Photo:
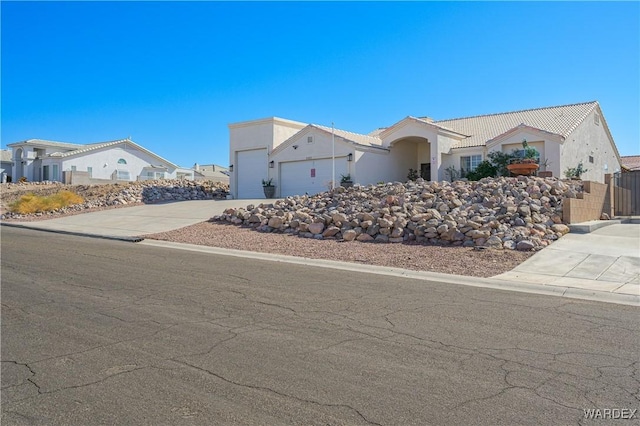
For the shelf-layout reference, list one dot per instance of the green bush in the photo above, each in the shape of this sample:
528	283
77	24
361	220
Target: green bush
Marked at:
484	169
413	174
575	172
500	160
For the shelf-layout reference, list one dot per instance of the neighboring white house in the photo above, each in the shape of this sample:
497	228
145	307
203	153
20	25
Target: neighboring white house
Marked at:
119	160
304	158
6	163
212	172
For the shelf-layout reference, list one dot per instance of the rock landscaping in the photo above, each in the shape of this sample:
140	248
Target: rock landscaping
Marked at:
114	195
521	213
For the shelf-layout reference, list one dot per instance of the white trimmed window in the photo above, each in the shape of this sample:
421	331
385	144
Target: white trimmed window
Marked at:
469	163
309	139
123	174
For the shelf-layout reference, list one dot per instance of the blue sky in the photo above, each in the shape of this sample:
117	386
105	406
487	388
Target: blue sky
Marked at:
173	75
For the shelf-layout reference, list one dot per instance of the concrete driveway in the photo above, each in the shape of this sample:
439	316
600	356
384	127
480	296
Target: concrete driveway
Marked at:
605	260
131	222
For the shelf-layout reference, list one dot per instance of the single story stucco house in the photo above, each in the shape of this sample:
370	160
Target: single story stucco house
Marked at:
118	160
6	163
304	158
211	172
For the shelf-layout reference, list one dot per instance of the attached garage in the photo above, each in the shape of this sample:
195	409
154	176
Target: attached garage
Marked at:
251	168
309	176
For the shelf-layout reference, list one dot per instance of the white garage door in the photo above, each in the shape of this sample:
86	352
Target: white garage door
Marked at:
251	169
310	176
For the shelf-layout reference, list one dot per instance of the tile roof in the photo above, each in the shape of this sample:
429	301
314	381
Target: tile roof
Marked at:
45	142
7	156
631	162
358	138
560	120
89	147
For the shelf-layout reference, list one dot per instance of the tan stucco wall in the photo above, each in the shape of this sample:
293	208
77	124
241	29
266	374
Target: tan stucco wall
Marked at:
440	156
409	130
266	133
373	167
402	157
321	147
589	139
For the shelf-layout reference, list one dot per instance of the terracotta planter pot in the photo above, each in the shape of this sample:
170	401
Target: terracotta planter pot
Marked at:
524	169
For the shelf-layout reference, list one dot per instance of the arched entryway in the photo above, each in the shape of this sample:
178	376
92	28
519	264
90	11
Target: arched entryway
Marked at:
412	152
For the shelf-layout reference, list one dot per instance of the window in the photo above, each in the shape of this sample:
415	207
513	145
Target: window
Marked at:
73	168
470	163
54	172
154	175
309	139
122	161
123	174
591	159
596	119
90	171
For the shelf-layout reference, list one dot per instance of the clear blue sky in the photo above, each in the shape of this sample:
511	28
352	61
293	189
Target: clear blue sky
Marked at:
173	75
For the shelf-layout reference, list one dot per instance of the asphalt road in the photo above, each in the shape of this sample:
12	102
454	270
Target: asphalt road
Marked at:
106	332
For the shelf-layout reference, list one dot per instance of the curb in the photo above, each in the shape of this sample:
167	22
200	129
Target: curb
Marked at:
77	234
588	227
568	292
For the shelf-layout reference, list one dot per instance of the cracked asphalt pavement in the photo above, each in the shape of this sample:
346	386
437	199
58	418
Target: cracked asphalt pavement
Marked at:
108	332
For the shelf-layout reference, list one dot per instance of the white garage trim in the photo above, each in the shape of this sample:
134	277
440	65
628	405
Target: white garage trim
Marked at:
251	168
309	176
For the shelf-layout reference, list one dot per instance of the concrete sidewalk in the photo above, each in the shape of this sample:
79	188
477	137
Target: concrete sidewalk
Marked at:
605	260
601	265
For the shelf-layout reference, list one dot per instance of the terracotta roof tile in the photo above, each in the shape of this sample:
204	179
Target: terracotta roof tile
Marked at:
560	120
631	162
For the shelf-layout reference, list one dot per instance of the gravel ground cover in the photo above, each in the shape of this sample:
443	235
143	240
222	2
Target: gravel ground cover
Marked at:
418	257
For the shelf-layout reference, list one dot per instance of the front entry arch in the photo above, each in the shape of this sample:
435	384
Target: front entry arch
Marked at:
413	152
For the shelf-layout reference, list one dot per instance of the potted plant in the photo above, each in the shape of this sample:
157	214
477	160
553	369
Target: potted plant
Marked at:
526	164
345	181
269	188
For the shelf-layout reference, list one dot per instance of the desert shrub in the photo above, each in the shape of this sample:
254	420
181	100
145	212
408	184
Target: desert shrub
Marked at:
453	173
501	160
484	169
31	203
413	174
575	172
